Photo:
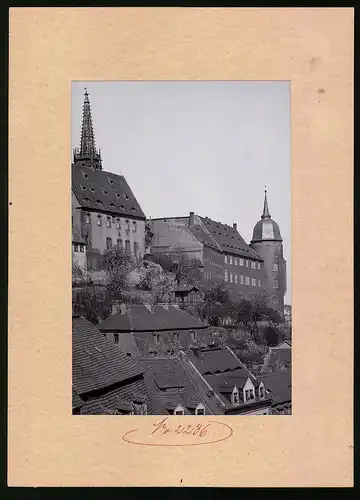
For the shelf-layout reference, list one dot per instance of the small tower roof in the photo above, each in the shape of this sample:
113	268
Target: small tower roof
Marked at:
266	229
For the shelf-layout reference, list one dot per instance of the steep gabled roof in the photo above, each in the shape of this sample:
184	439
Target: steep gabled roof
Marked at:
229	239
97	362
279	386
140	318
278	358
216	360
104	192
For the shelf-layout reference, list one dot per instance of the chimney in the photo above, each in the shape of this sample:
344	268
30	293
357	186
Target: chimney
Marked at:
191	219
235	226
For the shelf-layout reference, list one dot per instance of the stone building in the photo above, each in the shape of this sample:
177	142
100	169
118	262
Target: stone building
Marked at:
105	211
79	255
267	243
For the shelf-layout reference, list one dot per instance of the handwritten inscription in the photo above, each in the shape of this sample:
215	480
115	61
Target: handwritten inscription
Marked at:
164	433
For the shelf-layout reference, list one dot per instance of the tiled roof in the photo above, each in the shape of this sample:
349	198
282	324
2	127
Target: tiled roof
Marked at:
77	402
203	237
216	360
97	362
185	288
229	239
120	399
170	385
279	386
277	359
76	238
104	191
140	318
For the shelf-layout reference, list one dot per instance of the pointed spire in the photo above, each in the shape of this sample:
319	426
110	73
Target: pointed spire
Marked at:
87	154
266	213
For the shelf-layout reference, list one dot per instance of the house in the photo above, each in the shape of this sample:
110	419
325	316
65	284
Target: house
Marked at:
105	381
154	330
278	359
105	211
279	386
186	294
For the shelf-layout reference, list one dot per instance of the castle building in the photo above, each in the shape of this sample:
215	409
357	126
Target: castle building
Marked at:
105	211
247	270
267	243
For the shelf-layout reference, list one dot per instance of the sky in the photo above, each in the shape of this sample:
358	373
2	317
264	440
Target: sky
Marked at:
206	147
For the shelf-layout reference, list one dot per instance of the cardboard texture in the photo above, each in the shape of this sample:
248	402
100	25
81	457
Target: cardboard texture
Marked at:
50	47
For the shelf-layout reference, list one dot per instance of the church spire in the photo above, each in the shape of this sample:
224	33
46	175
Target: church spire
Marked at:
266	213
87	154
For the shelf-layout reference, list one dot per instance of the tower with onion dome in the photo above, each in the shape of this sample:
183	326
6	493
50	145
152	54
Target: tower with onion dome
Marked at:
268	244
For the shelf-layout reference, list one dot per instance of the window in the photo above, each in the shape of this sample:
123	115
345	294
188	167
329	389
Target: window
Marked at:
235	262
127	225
177	337
236	279
230	260
134	228
241	279
261	392
87	218
193	336
253	265
226	276
231	277
116	338
117	224
259	282
241	262
128	354
127	246
136	249
156	337
108	243
248	395
275	299
247	263
275	267
111	181
253	282
225	259
259	265
76	248
276	284
247	281
104	192
108	222
99	220
85	175
81	248
200	409
119	242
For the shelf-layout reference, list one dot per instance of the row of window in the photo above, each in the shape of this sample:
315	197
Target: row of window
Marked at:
249	395
199	410
241	280
79	248
234	261
119	242
113	220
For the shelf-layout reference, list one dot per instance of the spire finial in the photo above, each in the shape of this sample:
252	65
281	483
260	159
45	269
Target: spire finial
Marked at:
88	154
266	213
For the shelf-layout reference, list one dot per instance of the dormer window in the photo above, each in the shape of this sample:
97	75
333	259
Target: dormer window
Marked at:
179	410
235	397
249	394
85	175
117	195
104	191
200	409
83	187
261	391
111	181
126	196
99	202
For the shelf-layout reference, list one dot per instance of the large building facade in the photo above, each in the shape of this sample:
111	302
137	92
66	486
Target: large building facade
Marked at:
247	270
105	211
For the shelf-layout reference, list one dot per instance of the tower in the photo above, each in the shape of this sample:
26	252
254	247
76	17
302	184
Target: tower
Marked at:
267	243
87	155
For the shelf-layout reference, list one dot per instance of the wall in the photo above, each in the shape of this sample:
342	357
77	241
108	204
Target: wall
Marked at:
175	238
272	253
245	270
80	257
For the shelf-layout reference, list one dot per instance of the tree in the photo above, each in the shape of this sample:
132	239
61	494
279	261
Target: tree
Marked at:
77	272
117	264
91	305
273	336
149	235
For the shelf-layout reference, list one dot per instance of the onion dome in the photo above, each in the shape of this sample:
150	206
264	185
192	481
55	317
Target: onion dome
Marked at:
266	229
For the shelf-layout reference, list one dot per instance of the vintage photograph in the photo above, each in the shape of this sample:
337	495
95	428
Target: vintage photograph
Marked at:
181	247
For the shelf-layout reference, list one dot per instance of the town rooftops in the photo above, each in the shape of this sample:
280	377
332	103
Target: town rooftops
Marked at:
97	362
279	386
103	191
278	358
146	318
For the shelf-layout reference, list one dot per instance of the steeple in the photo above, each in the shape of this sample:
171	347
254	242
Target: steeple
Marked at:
87	155
266	213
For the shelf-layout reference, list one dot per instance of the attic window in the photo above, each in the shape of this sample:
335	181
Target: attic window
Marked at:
87	200
200	409
111	181
92	190
83	187
112	204
85	175
133	209
117	195
128	354
104	191
126	196
122	206
99	202
179	410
